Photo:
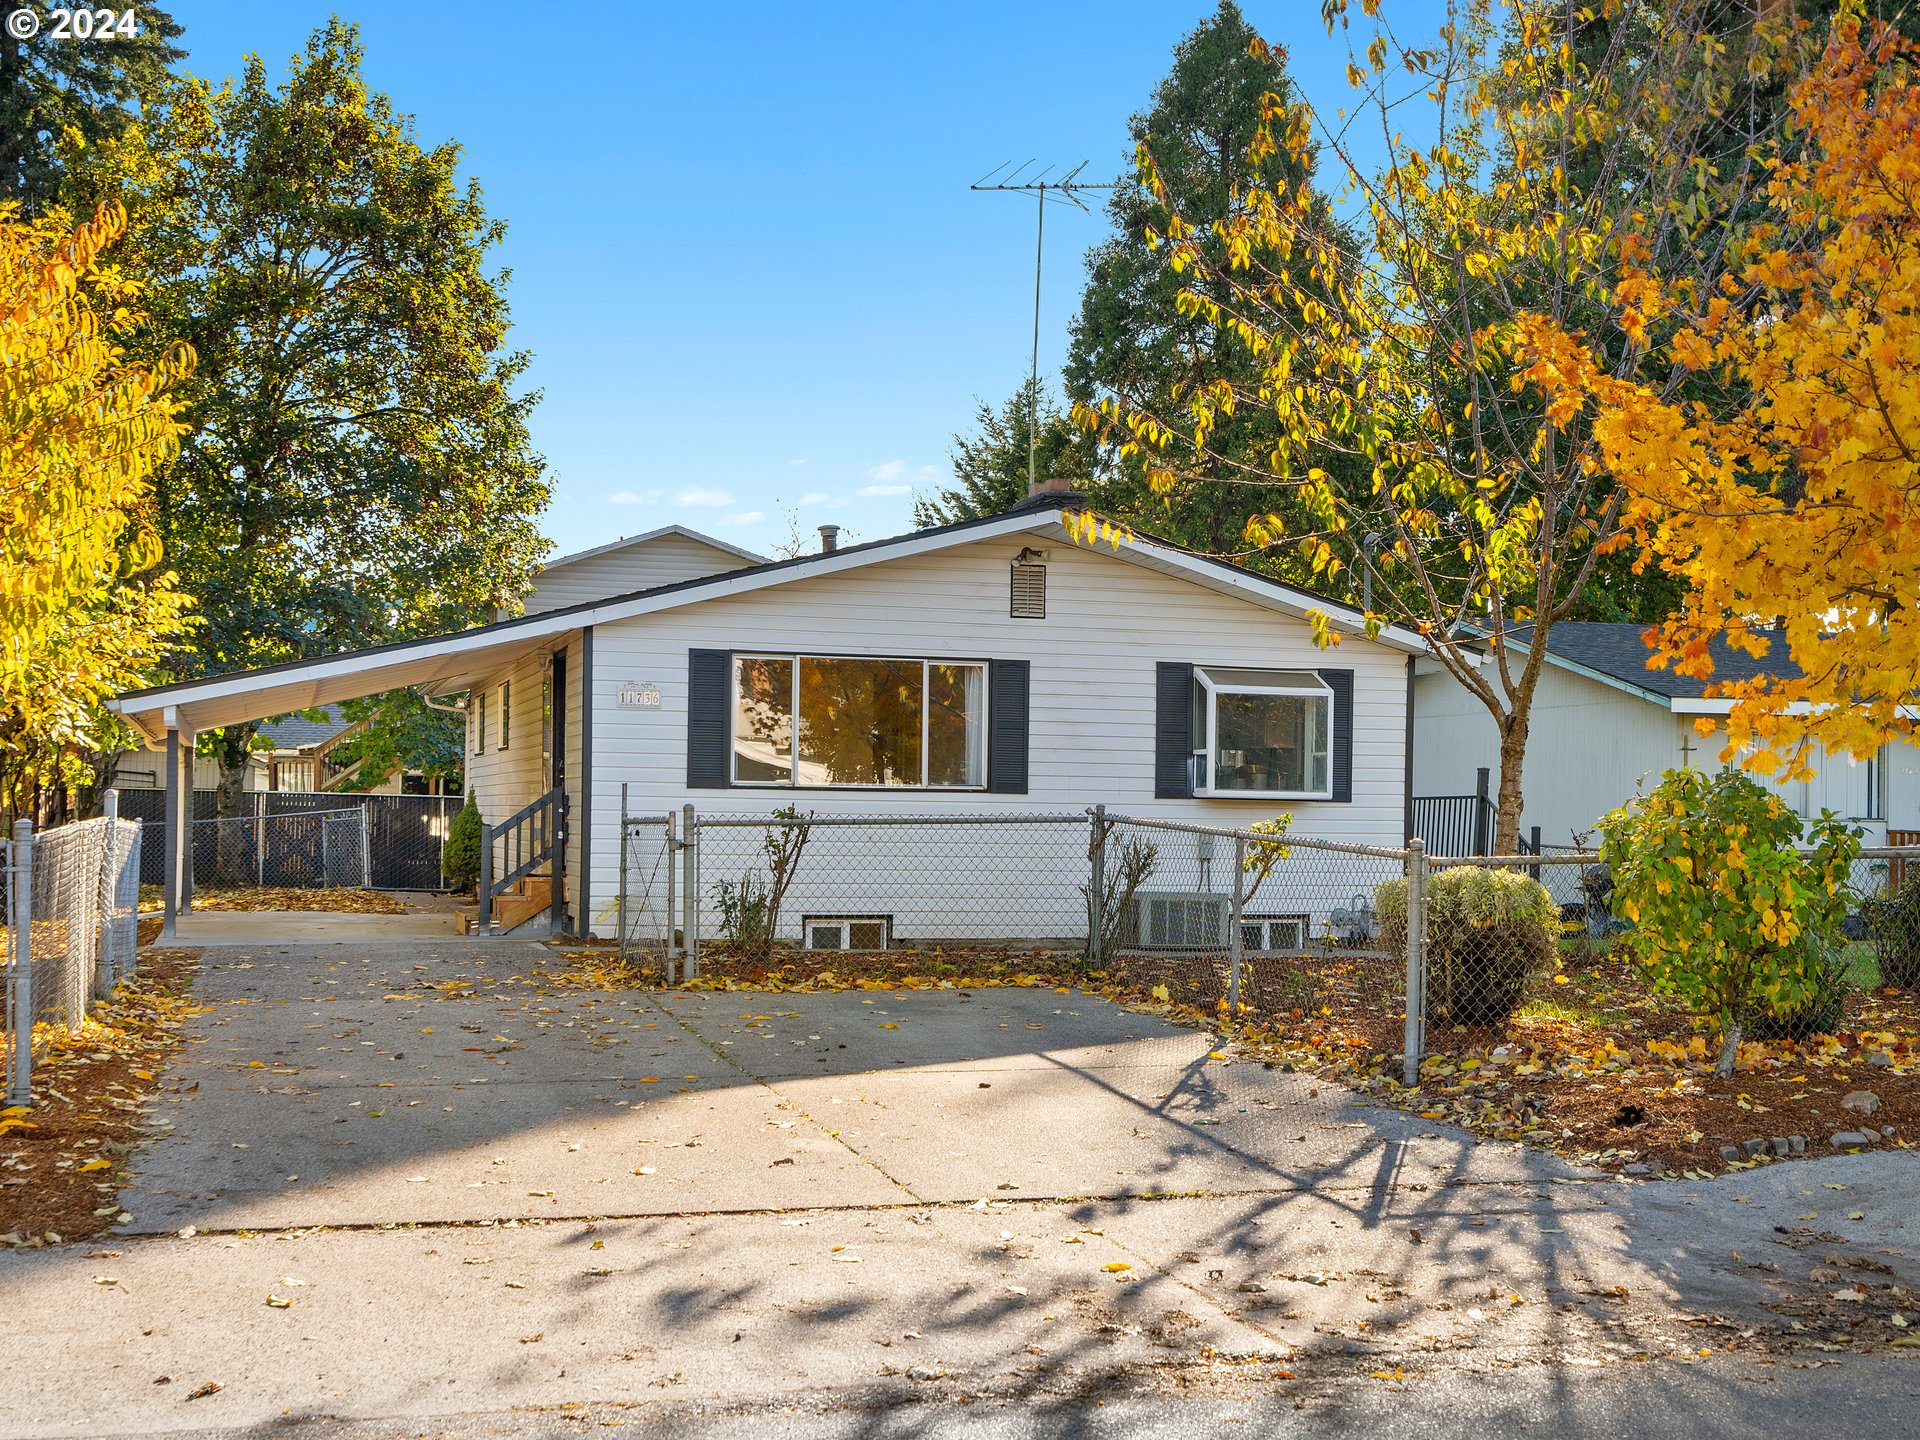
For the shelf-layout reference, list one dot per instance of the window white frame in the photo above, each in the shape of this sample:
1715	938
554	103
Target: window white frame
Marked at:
843	925
506	714
1268	924
1304	684
795	659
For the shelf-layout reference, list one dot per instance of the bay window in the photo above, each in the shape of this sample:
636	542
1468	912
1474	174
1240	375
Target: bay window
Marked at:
815	720
1264	732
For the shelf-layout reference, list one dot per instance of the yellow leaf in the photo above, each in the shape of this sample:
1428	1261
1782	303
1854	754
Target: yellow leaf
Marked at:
1114	1267
96	1165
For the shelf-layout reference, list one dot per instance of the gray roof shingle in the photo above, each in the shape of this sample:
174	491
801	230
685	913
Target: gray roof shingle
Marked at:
290	732
1616	650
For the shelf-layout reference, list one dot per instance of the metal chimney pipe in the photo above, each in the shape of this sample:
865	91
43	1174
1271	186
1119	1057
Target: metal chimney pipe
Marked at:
829	539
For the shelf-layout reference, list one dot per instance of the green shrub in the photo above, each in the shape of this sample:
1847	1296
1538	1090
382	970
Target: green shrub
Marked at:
460	857
1825	964
1487	932
1893	924
1727	913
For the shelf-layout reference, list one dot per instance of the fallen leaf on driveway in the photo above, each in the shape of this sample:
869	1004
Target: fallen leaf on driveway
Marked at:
210	1388
275	1302
1114	1267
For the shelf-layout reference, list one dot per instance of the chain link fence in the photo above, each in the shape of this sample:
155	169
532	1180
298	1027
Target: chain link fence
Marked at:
1398	952
71	916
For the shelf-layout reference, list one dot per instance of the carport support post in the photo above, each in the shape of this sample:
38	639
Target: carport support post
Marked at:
1416	960
690	898
1237	939
178	829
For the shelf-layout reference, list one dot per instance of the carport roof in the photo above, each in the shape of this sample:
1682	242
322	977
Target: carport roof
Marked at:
441	664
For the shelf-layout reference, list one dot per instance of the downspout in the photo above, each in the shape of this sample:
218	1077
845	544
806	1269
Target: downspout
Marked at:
460	708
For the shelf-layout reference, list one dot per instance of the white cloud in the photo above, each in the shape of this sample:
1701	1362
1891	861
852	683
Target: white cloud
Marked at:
635	497
872	490
796	462
747	517
890	470
815	497
700	496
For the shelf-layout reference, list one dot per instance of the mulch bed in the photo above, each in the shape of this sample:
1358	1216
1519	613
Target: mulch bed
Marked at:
59	1157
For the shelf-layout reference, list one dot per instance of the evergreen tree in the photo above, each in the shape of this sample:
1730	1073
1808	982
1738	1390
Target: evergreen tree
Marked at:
1131	342
93	87
991	464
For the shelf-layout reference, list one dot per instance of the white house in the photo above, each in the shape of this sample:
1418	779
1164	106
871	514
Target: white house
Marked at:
996	666
1604	726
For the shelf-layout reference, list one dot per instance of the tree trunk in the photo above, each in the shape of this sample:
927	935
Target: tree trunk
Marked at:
1513	754
1729	1049
233	862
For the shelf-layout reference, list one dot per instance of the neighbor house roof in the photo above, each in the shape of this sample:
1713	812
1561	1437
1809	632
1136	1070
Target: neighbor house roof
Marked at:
291	732
682	531
1615	653
442	664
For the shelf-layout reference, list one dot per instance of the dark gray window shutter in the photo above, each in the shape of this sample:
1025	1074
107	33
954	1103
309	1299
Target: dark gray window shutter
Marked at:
1341	760
1007	690
1172	730
709	691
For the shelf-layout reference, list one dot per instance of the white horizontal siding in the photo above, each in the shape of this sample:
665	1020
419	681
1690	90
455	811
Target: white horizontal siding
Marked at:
1589	747
663	560
503	780
1091	720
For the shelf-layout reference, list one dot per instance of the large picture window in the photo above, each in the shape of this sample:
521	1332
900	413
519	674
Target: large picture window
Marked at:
1264	732
822	721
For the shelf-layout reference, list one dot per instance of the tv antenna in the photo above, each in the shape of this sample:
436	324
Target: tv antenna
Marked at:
1066	190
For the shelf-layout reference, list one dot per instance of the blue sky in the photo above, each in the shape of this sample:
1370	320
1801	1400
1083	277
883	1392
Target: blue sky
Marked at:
744	253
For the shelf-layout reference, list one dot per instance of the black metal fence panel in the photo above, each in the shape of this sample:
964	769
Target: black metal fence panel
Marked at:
304	840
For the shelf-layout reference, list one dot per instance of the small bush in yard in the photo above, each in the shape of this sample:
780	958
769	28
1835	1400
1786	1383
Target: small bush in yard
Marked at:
1893	924
1487	932
1727	913
460	856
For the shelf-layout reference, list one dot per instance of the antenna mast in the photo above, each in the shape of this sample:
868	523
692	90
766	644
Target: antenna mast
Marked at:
1064	191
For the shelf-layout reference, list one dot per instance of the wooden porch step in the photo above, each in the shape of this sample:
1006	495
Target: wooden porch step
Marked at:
531	897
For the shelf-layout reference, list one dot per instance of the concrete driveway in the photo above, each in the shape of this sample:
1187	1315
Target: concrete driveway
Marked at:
400	1183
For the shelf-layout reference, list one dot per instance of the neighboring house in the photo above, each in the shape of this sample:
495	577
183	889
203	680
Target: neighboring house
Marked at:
290	753
989	667
1605	726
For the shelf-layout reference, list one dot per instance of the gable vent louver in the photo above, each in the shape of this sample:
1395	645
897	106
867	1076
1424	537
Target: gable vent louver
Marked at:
1029	594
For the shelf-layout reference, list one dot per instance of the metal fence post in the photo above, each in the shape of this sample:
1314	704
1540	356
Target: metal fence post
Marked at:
1415	1038
108	895
670	950
366	846
690	882
20	973
1237	937
1482	840
1097	890
621	912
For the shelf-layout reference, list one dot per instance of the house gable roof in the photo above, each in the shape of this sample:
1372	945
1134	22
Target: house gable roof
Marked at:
444	663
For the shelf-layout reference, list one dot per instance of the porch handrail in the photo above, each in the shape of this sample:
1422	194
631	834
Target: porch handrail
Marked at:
530	837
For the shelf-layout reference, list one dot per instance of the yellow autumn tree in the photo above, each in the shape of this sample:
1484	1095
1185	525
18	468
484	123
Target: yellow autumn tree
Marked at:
1794	514
85	610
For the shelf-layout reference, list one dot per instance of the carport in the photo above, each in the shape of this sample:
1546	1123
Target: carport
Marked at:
169	718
